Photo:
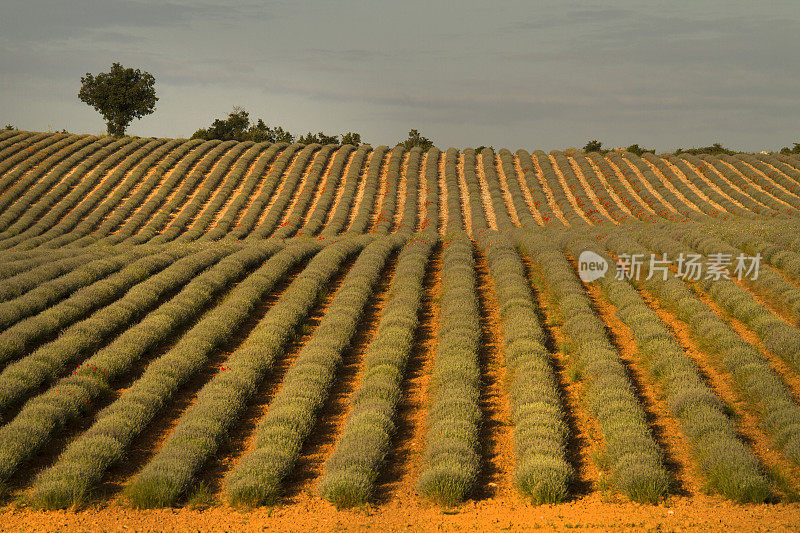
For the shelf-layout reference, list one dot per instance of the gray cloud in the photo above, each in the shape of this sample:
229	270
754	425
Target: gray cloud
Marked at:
542	74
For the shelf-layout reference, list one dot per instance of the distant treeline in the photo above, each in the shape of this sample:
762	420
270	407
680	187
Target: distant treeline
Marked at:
237	127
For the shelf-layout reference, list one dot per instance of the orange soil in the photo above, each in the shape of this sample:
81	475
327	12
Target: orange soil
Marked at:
443	195
340	181
245	176
377	213
589	191
314	514
624	181
289	215
523	184
187	201
276	192
567	191
608	188
463	193
486	197
355	205
507	199
666	429
497	440
722	383
402	185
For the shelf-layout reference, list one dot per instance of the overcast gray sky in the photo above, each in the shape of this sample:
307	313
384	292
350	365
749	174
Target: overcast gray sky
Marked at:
516	74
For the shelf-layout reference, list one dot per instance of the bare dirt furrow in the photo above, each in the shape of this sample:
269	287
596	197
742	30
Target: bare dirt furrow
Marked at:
318	447
145	446
486	198
526	191
423	187
463	194
590	193
631	190
687	478
585	440
554	207
496	433
404	462
568	192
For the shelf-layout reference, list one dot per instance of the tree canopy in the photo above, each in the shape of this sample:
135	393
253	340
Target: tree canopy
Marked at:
119	96
416	139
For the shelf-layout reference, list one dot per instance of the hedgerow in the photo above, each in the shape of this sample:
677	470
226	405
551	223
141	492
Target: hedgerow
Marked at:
361	218
200	193
303	196
28	190
540	431
82	464
290	183
197	224
629	448
756	380
352	469
338	218
292	414
172	203
731	468
72	395
452	450
90	210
